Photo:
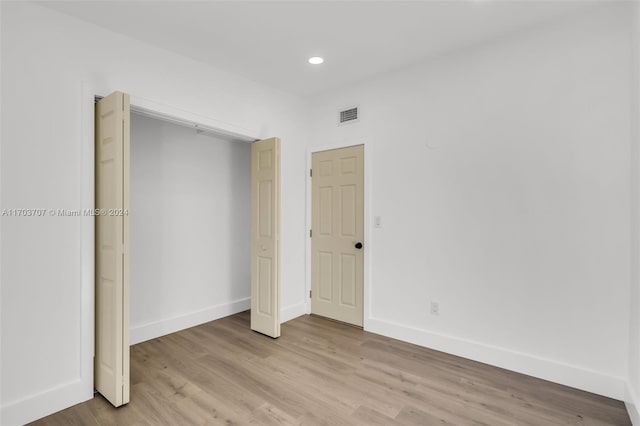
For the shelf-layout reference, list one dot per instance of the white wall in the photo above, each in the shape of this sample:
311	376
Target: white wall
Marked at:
190	227
633	389
47	298
516	219
501	174
1	233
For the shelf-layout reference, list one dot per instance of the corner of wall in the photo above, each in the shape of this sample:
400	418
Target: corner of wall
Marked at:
632	404
1	401
631	398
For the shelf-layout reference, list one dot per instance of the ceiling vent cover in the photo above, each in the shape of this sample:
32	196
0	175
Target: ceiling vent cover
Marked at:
349	115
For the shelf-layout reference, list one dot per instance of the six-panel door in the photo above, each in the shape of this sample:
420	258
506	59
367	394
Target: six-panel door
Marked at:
337	264
265	237
111	363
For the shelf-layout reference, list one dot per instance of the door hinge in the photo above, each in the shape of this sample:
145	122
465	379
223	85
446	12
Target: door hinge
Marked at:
310	172
310	233
309	294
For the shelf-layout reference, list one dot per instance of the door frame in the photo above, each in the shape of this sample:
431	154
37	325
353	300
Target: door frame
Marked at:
88	91
368	242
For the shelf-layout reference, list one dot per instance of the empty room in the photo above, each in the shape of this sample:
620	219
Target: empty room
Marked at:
320	212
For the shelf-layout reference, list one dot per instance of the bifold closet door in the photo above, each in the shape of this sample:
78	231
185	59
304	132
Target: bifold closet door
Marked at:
265	237
111	362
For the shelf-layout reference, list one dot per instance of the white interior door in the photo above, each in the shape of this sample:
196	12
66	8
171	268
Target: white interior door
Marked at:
112	248
265	237
337	246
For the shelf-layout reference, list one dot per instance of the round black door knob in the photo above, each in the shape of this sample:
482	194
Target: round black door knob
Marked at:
358	246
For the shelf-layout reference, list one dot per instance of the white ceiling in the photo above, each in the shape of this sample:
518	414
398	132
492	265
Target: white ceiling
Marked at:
271	41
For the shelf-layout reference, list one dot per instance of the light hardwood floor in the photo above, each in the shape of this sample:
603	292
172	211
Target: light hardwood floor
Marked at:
325	373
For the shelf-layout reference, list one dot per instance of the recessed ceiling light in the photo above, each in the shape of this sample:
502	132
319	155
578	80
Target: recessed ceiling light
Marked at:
316	60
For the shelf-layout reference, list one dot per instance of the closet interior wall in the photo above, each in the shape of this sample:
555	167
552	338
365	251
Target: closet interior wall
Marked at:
190	227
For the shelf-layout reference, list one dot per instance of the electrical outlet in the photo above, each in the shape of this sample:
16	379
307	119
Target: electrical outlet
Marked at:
435	308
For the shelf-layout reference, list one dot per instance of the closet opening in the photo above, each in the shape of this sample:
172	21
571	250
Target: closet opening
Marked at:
188	232
190	221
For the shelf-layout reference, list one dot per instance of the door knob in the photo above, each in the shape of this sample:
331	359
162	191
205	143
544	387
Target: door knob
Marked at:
358	246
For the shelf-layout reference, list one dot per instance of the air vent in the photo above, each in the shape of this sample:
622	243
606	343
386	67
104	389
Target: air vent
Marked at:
349	115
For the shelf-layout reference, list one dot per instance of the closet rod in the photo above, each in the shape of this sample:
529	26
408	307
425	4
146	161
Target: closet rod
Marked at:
187	123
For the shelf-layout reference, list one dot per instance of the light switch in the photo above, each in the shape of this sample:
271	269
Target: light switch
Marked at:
377	222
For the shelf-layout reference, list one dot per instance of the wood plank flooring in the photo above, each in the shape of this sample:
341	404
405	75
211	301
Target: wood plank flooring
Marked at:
325	373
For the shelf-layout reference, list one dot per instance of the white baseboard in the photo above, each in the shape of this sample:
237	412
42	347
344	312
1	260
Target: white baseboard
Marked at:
53	400
42	404
633	404
553	371
155	329
292	311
